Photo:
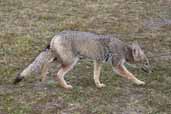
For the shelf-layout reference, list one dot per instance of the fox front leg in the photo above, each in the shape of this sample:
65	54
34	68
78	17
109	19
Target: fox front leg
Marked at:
97	69
122	71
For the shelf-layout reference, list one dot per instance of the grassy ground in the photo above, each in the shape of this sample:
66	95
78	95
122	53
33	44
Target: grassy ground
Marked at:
26	27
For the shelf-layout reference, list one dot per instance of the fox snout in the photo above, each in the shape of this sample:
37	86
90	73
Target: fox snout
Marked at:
147	69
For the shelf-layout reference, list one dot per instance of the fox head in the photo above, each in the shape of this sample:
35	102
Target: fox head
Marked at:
138	57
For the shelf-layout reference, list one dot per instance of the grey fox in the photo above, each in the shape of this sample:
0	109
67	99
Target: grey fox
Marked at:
68	47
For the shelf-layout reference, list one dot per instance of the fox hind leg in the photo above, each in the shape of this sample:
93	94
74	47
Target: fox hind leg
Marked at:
44	72
62	71
44	69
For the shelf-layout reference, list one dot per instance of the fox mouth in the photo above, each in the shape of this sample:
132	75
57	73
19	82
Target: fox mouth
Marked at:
147	70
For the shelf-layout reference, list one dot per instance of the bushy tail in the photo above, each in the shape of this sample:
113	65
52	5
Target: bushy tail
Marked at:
35	67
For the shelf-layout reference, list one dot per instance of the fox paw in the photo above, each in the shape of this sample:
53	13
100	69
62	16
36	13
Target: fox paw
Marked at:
139	82
68	87
100	85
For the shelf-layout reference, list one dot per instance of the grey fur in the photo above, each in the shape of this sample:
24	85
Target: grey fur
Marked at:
91	46
70	46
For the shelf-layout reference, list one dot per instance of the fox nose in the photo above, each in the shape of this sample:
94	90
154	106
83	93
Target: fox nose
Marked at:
147	70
